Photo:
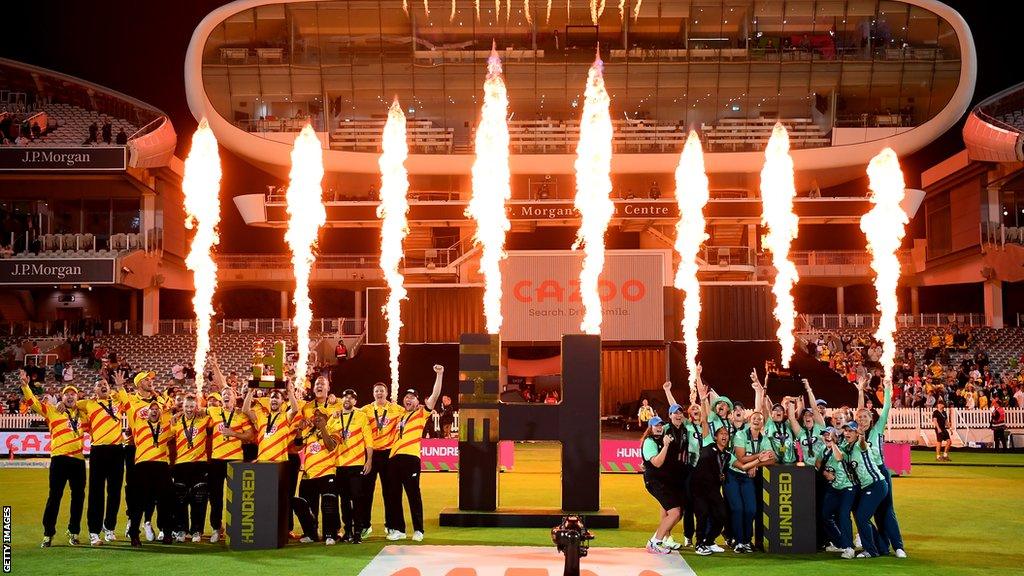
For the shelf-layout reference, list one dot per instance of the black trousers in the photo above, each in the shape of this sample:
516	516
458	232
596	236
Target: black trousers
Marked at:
380	468
352	493
190	491
709	506
759	510
153	484
132	496
294	465
1000	438
65	470
684	483
404	475
106	476
316	494
217	474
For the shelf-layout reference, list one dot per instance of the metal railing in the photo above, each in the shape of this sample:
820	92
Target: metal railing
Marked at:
999	235
814	322
344	326
332	261
728	256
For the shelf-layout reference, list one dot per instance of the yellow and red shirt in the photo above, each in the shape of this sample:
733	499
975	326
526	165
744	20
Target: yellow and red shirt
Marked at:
383	423
223	447
103	419
317	460
65	425
409	432
152	439
356	434
327	408
190	435
274	433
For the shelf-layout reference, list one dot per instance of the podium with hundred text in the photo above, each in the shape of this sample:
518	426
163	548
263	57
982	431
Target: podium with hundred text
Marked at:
789	518
257	505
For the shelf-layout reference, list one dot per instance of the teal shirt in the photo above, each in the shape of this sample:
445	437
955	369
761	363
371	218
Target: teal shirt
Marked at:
829	463
810	441
863	465
745	439
696	440
780	440
876	436
650	448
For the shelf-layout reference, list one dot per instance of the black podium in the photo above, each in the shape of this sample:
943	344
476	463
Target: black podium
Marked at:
789	518
257	505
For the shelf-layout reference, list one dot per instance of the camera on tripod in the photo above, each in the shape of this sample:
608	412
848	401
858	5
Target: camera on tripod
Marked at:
572	539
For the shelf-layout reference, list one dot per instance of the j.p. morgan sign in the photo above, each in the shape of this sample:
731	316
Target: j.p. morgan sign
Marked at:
57	271
63	159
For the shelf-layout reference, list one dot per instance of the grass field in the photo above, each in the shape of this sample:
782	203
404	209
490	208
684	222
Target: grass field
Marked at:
956	519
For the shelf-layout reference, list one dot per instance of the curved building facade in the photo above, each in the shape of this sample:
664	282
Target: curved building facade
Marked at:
842	74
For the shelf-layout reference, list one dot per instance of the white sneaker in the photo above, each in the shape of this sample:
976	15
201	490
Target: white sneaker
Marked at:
655	547
179	537
396	535
687	542
856	542
670	543
703	551
127	528
197	537
831	548
109	535
148	529
900	553
864	555
329	542
848	554
716	548
215	537
305	540
94	539
417	536
366	532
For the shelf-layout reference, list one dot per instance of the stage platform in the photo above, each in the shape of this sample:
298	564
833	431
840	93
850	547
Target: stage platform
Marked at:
525	518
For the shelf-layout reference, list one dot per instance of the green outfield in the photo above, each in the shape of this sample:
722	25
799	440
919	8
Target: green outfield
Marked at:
956	519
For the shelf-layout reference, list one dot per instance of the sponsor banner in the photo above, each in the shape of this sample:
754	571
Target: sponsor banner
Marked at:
29	443
546	210
621	456
897	458
442	455
520	561
789	517
74	159
542	295
57	271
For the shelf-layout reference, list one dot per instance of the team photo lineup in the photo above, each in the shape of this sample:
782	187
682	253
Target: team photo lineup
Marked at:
391	288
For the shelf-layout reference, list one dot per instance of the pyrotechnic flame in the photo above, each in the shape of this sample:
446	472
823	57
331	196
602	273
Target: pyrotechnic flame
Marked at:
405	6
691	195
526	10
622	9
497	10
394	205
492	188
636	10
777	193
201	187
547	17
593	186
451	16
884	226
305	217
426	7
508	11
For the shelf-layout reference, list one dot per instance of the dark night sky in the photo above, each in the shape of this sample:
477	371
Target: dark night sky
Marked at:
138	47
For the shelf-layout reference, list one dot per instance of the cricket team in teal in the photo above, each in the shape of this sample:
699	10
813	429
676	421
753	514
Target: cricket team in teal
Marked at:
703	466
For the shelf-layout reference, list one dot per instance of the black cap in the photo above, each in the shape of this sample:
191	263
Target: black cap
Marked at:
349	392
